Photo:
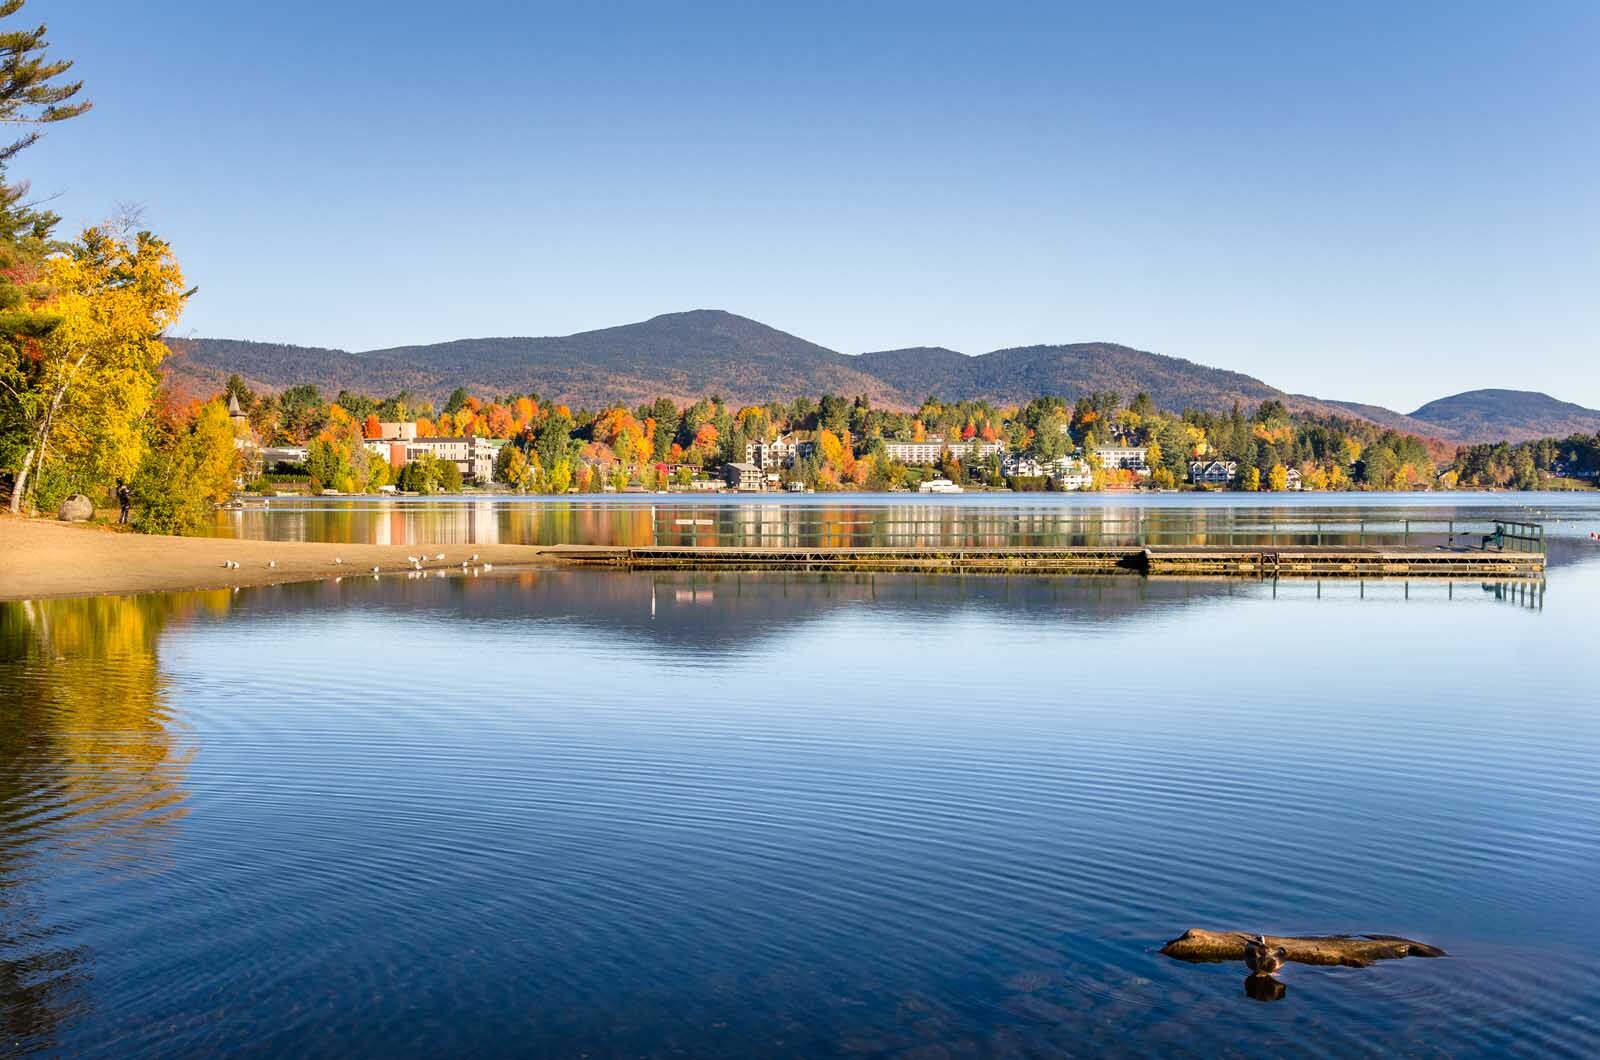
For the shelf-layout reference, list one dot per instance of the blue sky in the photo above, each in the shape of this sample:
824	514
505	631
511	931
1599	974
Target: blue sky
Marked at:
1380	202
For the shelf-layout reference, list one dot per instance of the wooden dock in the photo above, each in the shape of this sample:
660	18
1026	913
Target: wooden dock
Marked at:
1249	561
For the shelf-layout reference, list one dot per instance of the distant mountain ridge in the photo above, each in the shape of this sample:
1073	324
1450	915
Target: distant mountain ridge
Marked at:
685	356
1512	414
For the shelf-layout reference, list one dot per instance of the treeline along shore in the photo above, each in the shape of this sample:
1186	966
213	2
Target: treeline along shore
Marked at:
302	440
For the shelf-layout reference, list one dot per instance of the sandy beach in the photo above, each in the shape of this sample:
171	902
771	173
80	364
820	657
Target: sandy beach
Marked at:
42	558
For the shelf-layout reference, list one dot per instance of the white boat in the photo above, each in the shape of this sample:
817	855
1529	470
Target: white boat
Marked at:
939	485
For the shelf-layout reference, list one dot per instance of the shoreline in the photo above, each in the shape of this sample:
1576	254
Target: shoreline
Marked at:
43	558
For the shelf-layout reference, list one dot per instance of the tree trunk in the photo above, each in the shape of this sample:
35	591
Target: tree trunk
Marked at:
20	485
1353	951
41	443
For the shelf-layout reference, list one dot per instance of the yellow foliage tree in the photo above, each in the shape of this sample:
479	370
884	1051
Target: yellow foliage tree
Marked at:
85	389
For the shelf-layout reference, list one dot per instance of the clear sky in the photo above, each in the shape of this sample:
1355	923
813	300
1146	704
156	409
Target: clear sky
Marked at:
1384	202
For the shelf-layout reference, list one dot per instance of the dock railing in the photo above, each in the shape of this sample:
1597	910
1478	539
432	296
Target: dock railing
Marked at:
816	527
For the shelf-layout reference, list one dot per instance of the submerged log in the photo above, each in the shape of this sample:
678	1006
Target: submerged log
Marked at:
1352	951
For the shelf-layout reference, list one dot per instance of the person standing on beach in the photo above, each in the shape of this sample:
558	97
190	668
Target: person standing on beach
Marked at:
124	500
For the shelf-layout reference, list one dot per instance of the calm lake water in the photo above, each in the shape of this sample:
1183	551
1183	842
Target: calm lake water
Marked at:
568	813
896	519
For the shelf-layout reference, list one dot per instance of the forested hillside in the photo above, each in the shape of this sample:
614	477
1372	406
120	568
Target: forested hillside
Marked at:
684	356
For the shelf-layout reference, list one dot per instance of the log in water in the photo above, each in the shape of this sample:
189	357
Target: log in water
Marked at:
1353	951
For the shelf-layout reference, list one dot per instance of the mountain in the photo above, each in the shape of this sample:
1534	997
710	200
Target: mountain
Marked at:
1018	375
1510	415
685	356
1385	418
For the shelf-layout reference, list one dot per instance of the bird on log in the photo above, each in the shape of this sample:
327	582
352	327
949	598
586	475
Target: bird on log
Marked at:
1262	959
1351	951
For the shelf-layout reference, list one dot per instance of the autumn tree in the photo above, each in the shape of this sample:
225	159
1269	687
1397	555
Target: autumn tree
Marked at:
188	466
78	395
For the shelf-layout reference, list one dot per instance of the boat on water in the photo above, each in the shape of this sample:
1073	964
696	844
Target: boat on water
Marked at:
939	485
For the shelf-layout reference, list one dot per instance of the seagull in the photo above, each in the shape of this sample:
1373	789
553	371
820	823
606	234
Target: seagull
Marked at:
227	564
439	556
336	559
474	557
272	563
1260	959
488	566
412	559
374	570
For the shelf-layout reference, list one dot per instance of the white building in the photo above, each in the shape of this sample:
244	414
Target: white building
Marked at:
1070	473
1017	465
273	455
769	456
929	450
1126	457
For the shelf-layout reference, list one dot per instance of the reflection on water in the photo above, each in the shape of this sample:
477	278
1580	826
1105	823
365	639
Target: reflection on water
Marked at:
91	781
1264	988
594	812
888	520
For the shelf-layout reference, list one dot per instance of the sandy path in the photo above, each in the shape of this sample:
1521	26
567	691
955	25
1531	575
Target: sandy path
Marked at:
42	557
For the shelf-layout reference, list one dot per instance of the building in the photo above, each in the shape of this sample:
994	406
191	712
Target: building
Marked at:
769	456
401	431
242	433
473	456
273	455
1294	480
1213	472
930	450
746	478
1124	457
1016	465
1070	473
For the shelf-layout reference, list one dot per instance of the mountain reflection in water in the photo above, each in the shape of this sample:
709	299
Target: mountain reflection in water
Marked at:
560	812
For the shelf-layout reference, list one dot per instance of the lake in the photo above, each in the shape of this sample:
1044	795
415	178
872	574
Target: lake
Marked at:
581	812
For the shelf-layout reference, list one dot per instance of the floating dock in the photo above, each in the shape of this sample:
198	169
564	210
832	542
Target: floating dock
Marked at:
1250	561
